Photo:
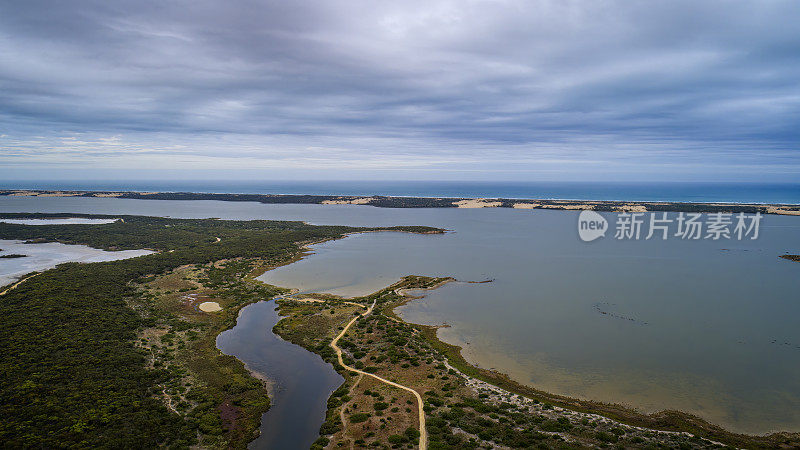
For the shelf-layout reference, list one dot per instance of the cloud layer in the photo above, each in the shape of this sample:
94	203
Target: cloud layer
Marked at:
540	89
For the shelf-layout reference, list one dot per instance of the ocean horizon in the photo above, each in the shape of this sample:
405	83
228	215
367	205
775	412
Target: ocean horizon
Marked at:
783	193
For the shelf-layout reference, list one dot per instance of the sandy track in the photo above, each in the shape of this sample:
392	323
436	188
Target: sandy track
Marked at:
17	284
341	411
423	435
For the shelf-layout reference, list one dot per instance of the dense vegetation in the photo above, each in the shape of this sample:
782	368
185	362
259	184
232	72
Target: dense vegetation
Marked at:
211	389
189	236
72	375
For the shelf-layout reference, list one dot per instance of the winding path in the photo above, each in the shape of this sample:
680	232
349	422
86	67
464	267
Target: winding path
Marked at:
423	434
18	283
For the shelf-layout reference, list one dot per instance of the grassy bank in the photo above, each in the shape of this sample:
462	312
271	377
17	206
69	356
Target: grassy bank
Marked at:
214	390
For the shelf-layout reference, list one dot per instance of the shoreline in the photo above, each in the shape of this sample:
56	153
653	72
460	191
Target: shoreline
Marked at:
668	421
304	249
115	193
505	387
432	202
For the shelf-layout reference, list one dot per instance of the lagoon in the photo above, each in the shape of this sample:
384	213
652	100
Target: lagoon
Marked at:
299	381
703	327
42	256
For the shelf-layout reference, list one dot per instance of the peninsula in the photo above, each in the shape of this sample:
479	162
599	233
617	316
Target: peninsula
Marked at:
429	202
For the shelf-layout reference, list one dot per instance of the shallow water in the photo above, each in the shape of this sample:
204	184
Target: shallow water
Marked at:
39	257
301	381
707	327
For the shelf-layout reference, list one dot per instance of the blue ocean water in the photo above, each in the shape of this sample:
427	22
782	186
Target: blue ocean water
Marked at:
788	193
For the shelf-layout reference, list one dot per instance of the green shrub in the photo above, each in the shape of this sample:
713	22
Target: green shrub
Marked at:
606	437
412	434
397	439
321	442
359	417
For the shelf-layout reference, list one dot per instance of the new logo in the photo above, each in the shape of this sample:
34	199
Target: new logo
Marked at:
591	226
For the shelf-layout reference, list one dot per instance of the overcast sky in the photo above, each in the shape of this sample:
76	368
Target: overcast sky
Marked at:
511	90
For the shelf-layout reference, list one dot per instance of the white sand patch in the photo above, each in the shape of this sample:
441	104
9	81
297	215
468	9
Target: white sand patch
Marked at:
569	206
355	201
477	203
633	208
210	307
526	205
362	201
57	194
789	212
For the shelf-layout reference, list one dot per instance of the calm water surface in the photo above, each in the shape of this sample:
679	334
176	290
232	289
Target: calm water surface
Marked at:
44	256
300	381
702	326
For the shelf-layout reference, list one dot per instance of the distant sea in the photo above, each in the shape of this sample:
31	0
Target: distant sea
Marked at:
675	191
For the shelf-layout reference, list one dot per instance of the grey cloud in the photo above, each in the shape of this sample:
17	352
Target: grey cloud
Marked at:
679	79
